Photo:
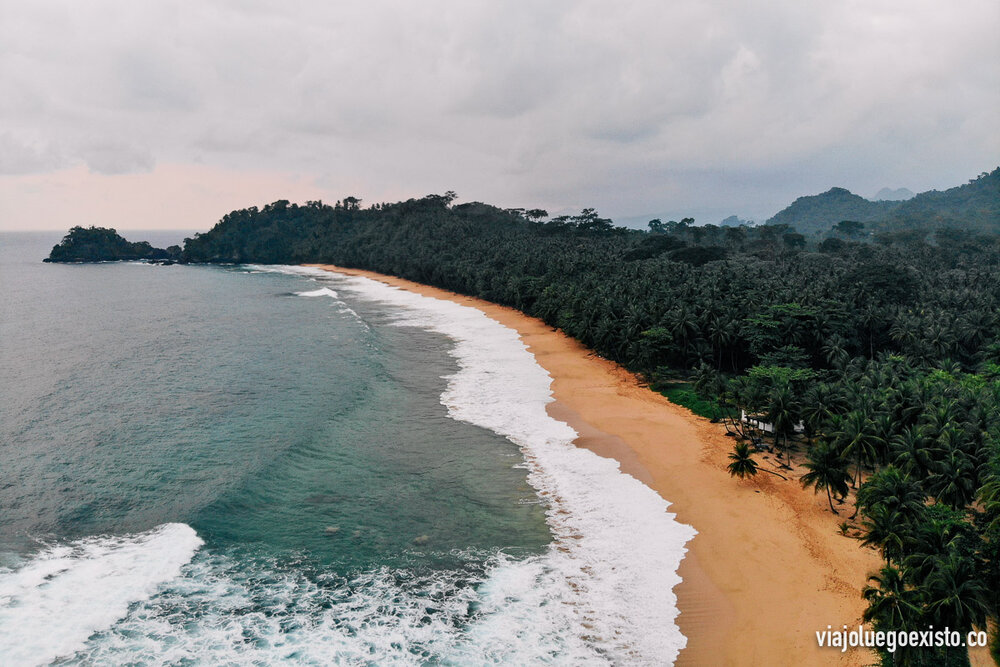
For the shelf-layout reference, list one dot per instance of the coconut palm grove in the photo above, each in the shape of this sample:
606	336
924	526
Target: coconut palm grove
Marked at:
870	351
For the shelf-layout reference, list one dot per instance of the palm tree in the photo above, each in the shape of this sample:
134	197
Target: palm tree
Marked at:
910	453
989	492
683	325
886	531
722	333
952	481
835	352
741	394
895	491
943	416
883	428
870	318
956	596
828	471
906	334
819	404
743	465
782	412
891	605
855	437
928	545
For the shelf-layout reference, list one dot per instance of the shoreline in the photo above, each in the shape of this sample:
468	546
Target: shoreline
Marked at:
767	569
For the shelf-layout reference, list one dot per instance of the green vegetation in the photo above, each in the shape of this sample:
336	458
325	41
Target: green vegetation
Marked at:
919	437
827	472
742	464
973	207
100	244
683	394
877	359
816	214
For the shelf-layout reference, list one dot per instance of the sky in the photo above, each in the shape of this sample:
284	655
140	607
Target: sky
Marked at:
170	113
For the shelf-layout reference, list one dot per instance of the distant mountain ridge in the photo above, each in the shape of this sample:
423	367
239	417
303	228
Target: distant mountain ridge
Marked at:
889	194
816	214
975	206
735	221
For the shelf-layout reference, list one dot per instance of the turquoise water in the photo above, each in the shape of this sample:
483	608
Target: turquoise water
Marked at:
244	465
138	395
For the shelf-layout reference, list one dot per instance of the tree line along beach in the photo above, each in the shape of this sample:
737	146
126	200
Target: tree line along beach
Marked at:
869	349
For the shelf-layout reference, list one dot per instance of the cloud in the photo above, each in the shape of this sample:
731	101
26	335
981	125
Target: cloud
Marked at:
111	156
20	156
636	108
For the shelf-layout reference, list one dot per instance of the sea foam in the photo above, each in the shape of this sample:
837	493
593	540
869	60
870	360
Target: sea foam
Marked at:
52	603
609	574
600	593
322	291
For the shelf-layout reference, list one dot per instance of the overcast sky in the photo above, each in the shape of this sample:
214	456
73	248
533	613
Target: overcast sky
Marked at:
169	114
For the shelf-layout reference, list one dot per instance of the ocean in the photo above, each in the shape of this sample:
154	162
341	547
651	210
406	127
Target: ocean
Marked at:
279	465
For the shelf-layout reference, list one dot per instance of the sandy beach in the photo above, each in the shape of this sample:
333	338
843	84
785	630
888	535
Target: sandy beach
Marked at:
768	568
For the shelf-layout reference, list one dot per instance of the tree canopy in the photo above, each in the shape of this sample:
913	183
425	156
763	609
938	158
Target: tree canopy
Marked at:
101	244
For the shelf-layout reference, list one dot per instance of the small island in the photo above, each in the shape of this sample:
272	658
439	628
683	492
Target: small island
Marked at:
102	244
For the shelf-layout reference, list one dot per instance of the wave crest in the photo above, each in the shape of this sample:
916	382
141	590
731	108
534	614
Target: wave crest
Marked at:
51	603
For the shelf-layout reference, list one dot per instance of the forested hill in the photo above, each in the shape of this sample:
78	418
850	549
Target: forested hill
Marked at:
816	214
974	206
890	194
